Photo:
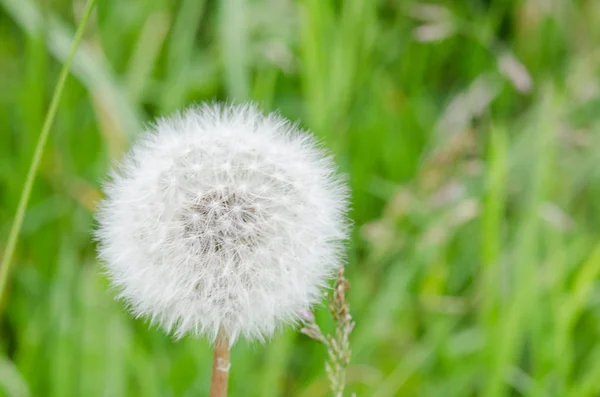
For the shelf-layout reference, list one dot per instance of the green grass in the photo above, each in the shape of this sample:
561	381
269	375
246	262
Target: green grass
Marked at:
475	259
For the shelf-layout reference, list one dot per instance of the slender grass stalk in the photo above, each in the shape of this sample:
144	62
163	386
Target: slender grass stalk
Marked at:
220	368
338	344
15	229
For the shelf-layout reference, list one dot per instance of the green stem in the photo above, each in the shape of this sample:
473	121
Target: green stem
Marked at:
15	229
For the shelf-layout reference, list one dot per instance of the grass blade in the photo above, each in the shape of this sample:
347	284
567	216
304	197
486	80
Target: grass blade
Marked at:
37	155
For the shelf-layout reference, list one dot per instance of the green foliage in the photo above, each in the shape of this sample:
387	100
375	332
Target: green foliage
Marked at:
470	133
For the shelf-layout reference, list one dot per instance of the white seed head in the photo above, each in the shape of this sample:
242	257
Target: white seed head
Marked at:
222	219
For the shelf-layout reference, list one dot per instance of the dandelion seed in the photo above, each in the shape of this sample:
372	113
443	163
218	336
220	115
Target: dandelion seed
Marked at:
223	222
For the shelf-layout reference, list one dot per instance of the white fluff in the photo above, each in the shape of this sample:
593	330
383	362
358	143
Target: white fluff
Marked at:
222	218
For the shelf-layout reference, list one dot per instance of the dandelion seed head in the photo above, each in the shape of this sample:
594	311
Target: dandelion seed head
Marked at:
224	219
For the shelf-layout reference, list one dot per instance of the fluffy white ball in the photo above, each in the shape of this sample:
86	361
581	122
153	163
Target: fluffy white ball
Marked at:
222	219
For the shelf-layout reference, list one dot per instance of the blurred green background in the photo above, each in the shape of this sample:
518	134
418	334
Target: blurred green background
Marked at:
470	130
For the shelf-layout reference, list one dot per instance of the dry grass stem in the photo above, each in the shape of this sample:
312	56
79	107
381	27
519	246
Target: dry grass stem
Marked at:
338	344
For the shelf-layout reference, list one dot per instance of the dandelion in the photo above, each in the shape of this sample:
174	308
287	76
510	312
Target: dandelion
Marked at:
223	222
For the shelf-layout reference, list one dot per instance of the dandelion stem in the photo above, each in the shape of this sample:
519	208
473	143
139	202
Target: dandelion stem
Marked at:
220	367
39	149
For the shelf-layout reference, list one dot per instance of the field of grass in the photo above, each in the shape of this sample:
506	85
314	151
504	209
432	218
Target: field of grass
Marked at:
470	130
